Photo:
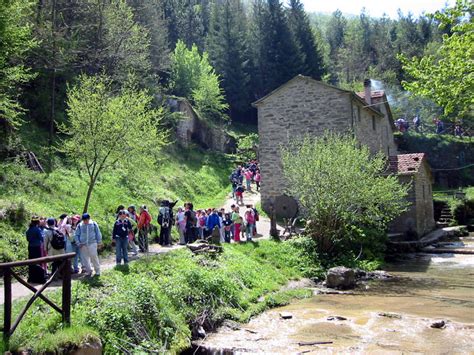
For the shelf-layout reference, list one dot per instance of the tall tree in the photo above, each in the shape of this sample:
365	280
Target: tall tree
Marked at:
100	128
227	47
301	28
15	42
279	58
335	35
447	77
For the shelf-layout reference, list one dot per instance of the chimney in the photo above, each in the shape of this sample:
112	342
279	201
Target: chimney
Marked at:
368	91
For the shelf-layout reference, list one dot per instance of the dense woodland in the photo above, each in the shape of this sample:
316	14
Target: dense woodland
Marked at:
190	47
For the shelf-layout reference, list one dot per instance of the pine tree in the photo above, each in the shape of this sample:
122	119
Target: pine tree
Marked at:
335	34
229	53
301	28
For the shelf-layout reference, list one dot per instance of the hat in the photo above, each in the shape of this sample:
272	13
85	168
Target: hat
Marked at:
76	218
35	219
132	206
86	216
51	221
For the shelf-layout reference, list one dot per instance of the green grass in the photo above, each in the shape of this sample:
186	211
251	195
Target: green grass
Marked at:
153	305
183	174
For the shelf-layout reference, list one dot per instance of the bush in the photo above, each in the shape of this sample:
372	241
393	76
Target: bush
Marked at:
464	212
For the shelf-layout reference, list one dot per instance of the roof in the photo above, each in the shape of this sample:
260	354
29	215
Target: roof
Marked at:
376	94
406	164
307	78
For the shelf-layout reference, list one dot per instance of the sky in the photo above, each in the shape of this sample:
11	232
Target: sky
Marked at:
376	8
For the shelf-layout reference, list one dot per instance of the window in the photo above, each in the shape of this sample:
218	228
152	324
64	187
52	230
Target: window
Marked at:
373	123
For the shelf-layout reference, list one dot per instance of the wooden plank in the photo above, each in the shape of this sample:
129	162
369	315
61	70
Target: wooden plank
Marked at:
66	292
46	259
34	290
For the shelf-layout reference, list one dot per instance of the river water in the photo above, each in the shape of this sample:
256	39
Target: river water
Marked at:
387	316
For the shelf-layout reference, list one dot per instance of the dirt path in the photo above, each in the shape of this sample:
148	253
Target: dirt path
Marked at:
107	263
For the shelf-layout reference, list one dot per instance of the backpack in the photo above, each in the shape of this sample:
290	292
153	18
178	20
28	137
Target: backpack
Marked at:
250	218
57	241
164	217
193	218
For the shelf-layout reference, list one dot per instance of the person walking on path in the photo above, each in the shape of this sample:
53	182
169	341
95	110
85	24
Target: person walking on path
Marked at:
237	221
165	220
133	218
191	222
144	221
250	223
88	238
122	228
227	227
257	178
213	222
239	195
248	179
54	242
34	235
181	225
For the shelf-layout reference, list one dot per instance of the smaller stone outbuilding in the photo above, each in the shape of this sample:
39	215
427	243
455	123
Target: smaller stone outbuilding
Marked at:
419	218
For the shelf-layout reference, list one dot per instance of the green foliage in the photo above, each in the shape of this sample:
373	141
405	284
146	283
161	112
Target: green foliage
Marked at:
447	76
15	42
193	77
341	188
247	147
152	305
108	129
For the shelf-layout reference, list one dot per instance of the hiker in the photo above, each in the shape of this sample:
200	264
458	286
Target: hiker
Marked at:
181	225
122	228
75	248
213	223
417	123
202	221
239	194
257	178
88	238
132	236
191	220
237	221
65	227
144	221
257	218
54	242
439	126
221	215
227	227
458	132
250	223
248	179
165	220
34	235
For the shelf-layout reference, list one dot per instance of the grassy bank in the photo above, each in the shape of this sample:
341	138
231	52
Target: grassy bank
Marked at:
153	305
184	174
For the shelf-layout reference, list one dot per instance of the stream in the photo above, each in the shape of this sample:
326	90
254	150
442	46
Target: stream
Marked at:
384	316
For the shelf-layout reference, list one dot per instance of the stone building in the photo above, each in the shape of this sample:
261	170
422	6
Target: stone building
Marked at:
414	169
307	106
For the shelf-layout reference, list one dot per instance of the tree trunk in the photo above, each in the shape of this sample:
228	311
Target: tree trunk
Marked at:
88	196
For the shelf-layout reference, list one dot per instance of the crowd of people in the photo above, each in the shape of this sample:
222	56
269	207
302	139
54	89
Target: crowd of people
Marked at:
403	126
131	229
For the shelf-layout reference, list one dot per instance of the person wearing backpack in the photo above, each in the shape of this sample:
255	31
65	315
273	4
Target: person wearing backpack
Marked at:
165	220
227	222
54	242
122	228
34	235
239	194
213	222
144	221
250	223
88	238
191	222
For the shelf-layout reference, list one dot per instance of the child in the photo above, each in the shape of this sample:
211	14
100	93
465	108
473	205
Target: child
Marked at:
227	227
239	194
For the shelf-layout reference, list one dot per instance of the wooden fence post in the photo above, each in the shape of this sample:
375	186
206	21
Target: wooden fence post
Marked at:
7	316
66	299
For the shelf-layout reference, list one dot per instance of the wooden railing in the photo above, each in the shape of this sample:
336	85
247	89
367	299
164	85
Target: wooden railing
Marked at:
9	273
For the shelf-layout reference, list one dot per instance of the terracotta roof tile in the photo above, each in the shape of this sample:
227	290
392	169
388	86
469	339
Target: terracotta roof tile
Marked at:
406	163
374	94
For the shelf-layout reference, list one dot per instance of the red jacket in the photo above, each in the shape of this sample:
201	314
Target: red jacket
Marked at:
144	220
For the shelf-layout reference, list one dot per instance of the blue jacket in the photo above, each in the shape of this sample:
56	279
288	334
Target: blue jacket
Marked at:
87	234
212	221
34	235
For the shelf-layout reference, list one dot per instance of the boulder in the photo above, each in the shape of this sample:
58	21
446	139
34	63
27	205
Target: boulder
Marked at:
340	278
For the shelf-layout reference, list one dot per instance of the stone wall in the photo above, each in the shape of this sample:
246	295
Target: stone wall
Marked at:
192	129
424	201
301	107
